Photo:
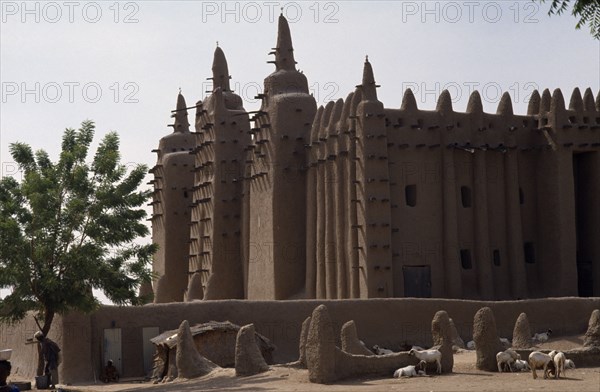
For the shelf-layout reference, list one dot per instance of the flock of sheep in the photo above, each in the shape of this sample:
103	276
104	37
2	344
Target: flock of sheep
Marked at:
554	364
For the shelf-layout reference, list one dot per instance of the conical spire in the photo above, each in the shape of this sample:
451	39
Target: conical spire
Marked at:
505	106
369	88
181	115
409	102
576	102
588	101
220	71
475	105
558	101
444	103
284	52
534	103
545	101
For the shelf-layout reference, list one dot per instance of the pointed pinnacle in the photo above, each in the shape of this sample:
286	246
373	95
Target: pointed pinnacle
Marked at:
181	115
444	103
505	105
545	101
588	101
284	53
534	103
408	101
475	105
220	71
368	83
576	102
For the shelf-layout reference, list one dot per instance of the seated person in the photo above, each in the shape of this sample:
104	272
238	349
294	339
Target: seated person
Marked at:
5	369
110	372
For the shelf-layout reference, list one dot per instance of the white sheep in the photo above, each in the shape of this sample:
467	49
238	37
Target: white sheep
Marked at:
381	351
412	371
559	363
429	356
542	337
471	345
505	342
539	360
521	365
507	357
569	364
418	348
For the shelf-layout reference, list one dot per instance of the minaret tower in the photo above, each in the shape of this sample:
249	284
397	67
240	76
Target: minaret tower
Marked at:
277	209
222	129
173	182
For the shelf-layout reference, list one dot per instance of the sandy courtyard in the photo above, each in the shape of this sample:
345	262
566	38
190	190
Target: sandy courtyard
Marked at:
464	378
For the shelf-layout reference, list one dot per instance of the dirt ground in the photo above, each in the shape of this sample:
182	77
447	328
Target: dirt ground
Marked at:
464	378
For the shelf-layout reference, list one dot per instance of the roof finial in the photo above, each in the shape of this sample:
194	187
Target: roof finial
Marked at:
217	44
179	90
281	10
366	58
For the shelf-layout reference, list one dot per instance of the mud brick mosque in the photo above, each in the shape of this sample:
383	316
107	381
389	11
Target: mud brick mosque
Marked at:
356	200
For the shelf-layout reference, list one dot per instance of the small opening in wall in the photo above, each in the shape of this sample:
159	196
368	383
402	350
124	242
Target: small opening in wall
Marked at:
410	192
496	257
465	259
465	194
521	196
185	194
529	250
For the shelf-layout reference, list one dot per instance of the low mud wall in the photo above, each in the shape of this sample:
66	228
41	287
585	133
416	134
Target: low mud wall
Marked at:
386	322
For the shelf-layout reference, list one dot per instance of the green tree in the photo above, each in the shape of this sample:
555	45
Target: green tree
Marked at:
69	227
588	12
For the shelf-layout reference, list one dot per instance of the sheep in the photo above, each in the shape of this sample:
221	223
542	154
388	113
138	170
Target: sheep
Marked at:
412	371
569	364
471	345
381	351
417	348
559	363
522	365
539	360
507	357
429	356
542	337
505	342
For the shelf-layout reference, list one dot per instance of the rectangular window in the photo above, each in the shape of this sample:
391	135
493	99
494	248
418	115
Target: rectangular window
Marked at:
529	250
496	257
410	192
465	259
521	196
465	195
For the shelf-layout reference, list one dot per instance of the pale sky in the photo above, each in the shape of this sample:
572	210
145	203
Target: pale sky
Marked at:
122	63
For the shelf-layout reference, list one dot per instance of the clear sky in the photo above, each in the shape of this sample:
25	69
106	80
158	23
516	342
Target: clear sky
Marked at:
121	63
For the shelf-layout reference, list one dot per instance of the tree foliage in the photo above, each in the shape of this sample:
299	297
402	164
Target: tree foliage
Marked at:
69	227
588	12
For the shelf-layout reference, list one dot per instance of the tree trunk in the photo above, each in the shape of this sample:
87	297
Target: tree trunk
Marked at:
48	317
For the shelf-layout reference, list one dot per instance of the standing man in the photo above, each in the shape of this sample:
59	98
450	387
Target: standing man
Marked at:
49	352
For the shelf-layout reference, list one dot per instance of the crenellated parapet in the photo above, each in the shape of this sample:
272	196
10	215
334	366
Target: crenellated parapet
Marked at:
451	204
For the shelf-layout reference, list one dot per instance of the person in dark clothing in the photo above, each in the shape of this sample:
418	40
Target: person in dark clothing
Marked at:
5	368
49	352
110	373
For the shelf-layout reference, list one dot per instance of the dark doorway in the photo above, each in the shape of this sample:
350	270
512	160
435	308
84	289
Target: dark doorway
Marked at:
417	281
585	203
